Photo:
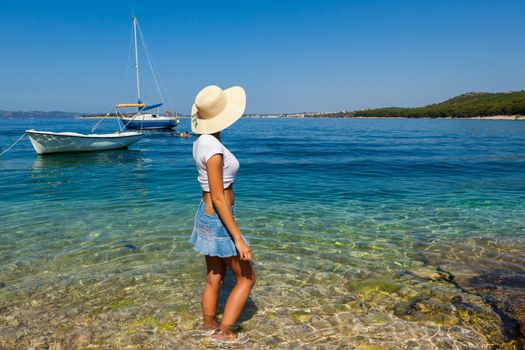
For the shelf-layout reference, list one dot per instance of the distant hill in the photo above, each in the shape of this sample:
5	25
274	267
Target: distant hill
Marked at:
468	105
38	114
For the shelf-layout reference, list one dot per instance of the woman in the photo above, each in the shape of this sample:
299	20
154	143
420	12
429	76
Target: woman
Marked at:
216	234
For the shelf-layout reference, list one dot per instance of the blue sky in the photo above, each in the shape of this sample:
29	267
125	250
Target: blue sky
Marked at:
290	56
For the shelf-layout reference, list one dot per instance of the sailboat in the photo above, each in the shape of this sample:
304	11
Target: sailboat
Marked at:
45	142
142	120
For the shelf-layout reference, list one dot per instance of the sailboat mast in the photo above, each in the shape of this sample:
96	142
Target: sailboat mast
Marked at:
136	58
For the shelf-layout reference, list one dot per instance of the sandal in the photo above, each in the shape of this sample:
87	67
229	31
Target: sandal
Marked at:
218	338
204	331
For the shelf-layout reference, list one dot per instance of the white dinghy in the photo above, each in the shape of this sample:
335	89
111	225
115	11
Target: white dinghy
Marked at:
45	142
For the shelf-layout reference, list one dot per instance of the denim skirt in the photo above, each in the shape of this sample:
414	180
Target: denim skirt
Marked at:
209	236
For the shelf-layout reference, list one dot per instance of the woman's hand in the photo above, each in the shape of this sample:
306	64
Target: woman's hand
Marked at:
244	249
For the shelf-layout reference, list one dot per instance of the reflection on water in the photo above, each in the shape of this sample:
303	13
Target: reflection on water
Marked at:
395	233
71	160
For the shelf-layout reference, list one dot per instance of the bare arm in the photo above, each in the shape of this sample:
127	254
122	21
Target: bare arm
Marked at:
214	170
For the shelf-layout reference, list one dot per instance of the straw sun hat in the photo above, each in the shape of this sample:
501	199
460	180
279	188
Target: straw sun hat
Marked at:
215	109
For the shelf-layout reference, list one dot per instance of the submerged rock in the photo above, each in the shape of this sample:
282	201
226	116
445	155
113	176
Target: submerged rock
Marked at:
370	347
120	304
517	309
300	317
466	310
378	285
499	277
496	280
427	273
82	339
56	346
426	309
130	247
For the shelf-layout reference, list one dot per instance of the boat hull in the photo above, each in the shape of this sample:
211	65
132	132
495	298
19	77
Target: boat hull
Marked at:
45	142
139	123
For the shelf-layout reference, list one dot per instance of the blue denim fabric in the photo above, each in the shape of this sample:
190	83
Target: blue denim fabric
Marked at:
210	237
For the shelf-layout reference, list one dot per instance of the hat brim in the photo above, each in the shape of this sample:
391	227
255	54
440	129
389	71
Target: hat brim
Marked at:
230	114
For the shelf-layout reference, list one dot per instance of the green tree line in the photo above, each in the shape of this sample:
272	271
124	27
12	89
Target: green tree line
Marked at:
472	104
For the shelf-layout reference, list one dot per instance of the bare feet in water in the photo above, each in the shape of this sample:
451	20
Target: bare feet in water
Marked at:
219	337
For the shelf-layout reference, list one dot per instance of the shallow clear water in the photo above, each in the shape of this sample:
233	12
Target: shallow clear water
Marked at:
349	219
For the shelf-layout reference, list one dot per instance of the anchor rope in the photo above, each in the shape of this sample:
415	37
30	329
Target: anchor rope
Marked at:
13	145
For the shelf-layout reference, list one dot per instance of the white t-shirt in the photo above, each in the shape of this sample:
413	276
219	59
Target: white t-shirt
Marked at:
203	149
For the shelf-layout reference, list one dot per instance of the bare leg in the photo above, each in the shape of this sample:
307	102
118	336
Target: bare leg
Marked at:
245	277
210	296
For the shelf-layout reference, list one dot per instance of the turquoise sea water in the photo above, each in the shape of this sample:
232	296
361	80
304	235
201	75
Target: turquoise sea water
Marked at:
356	226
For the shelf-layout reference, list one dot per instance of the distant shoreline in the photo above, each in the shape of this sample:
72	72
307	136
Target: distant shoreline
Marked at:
501	117
470	105
293	116
113	116
492	117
